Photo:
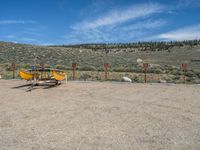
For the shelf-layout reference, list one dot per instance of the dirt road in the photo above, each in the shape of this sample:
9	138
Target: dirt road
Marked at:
90	116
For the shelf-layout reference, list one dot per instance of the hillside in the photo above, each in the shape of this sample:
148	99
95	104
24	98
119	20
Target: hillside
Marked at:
163	57
96	55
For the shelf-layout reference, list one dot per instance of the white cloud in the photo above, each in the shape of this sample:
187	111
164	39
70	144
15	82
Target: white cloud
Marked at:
186	33
121	33
88	36
115	17
118	25
6	22
149	24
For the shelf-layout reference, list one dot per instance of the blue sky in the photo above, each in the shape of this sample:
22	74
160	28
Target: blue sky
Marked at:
47	22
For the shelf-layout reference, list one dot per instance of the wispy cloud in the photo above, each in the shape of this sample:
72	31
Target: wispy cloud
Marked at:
118	16
185	33
117	25
149	24
10	36
35	31
6	22
188	3
96	7
122	33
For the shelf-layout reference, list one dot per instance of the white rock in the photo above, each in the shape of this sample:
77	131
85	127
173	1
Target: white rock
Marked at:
163	81
139	60
126	79
0	77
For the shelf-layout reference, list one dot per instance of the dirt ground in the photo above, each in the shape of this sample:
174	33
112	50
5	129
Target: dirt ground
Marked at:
100	115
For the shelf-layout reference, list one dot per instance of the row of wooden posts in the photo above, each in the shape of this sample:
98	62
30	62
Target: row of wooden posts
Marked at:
184	67
106	66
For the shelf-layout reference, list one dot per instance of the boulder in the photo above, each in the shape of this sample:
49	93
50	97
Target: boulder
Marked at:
163	81
126	79
139	60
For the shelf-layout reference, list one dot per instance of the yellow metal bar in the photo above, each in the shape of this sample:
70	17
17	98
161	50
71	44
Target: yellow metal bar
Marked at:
26	75
59	75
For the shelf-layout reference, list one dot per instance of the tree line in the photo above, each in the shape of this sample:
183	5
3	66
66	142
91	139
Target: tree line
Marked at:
144	46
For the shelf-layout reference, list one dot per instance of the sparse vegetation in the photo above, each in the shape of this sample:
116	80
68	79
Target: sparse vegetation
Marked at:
164	58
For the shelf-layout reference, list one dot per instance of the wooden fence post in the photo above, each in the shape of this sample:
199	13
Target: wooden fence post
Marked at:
184	67
13	69
106	65
145	66
74	66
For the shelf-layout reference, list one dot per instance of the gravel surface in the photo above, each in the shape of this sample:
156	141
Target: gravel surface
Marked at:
95	115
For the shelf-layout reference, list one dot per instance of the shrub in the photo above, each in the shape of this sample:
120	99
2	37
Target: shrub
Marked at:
60	67
154	70
85	76
135	79
120	69
175	72
26	66
138	70
190	74
87	68
176	77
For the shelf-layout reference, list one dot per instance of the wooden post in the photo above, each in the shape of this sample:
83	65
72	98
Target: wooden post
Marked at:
184	67
13	69
145	66
74	65
106	65
42	66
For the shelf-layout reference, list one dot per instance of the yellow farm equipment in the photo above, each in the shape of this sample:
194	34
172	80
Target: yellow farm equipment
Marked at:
43	76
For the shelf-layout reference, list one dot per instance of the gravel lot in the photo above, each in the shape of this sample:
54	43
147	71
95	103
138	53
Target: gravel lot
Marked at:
95	115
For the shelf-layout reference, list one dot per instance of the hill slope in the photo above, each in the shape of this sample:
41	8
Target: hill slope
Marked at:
164	59
95	55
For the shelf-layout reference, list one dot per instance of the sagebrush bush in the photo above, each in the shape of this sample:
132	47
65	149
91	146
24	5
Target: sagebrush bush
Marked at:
87	68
